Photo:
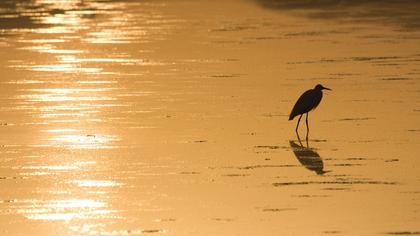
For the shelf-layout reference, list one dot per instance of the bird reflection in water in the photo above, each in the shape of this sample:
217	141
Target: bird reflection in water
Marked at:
308	157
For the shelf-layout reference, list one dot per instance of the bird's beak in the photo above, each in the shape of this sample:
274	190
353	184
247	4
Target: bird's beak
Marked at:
327	88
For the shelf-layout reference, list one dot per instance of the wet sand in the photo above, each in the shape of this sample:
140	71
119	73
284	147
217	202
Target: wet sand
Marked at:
171	118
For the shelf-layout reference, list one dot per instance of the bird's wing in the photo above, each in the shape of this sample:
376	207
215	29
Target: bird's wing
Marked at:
304	104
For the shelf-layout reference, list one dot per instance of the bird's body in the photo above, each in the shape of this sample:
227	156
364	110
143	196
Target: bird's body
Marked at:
308	101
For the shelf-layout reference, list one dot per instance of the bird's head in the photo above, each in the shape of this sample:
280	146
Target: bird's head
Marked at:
320	87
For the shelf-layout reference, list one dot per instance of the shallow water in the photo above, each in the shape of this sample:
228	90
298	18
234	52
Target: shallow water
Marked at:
170	117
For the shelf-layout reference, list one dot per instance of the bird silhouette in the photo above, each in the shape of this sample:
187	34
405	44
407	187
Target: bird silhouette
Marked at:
308	101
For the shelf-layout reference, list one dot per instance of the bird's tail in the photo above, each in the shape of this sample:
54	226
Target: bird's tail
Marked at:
291	116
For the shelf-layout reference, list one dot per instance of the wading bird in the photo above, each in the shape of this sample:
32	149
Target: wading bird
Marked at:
308	101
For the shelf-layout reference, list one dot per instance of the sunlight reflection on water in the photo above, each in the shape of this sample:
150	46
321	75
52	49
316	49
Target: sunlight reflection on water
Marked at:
95	183
62	209
84	141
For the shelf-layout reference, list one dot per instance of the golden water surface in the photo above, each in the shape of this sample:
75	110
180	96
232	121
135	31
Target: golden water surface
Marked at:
170	117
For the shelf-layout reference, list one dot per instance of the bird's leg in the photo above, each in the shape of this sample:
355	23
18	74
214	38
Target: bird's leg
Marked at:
300	142
297	126
307	126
